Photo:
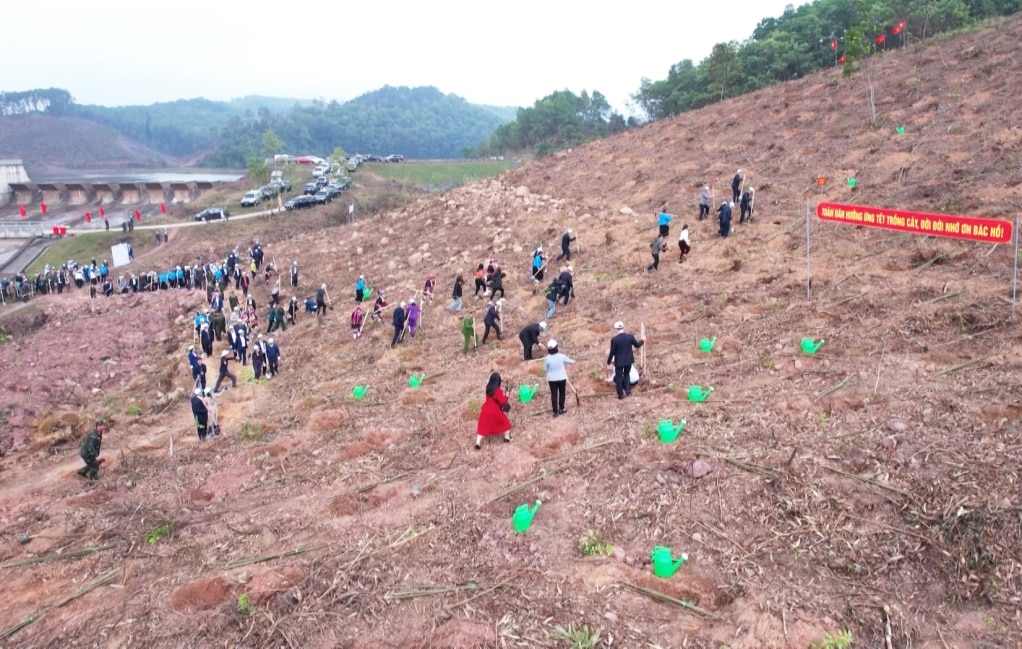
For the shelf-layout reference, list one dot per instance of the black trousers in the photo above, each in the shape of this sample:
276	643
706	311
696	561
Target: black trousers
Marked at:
220	379
480	286
665	230
656	263
621	384
558	390
320	308
528	345
201	421
398	330
495	327
704	211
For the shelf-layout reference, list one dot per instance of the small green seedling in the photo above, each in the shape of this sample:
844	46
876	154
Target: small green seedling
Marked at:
161	532
843	640
244	606
593	545
134	410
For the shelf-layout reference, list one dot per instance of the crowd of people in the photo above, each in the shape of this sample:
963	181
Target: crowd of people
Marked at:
235	320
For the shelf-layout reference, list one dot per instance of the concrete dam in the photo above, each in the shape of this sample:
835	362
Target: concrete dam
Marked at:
17	189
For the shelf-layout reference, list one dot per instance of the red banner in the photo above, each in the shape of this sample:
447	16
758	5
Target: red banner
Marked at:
939	225
42	206
163	208
22	211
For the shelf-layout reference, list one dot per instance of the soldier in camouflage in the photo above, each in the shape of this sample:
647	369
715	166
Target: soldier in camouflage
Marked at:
90	451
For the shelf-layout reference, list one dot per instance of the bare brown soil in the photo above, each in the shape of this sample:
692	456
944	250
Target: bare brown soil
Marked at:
872	486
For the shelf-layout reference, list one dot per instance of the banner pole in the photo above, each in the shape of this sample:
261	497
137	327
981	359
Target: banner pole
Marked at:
809	281
1014	277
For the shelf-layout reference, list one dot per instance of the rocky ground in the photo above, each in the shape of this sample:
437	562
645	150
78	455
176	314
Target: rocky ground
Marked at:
872	486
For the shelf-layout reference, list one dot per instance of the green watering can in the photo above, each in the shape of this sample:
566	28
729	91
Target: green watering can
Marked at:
360	391
809	346
526	392
697	393
668	431
663	565
416	381
851	183
366	293
706	344
523	517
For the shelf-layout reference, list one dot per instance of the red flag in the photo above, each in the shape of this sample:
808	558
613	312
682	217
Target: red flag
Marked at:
163	208
833	45
22	211
897	28
138	215
88	218
881	39
102	212
42	206
842	59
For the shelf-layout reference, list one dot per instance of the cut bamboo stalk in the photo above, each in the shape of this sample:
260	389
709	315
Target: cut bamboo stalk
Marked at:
688	606
527	483
270	557
962	366
102	581
57	556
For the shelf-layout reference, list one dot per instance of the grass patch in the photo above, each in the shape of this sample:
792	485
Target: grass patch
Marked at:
83	247
440	175
134	410
252	431
244	605
580	638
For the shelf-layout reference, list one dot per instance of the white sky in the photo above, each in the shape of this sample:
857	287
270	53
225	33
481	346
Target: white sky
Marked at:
117	52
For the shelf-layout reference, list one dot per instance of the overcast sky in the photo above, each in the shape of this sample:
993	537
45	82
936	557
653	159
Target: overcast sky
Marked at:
116	52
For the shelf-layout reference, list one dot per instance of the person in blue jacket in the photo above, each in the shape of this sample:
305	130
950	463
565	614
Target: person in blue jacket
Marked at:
664	221
360	288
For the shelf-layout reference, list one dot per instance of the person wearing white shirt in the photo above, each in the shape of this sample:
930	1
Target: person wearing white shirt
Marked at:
683	243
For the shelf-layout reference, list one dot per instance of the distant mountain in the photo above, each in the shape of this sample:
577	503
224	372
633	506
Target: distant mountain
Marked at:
46	142
184	127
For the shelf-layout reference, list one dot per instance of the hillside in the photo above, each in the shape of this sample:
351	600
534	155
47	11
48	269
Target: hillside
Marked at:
46	142
872	486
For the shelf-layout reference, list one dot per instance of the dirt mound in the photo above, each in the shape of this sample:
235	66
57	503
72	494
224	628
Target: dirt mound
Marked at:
870	486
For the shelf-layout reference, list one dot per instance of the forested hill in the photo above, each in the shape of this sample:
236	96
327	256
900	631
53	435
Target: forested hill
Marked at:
416	122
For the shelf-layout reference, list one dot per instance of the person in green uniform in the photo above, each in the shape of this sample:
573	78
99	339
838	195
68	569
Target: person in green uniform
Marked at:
90	451
468	330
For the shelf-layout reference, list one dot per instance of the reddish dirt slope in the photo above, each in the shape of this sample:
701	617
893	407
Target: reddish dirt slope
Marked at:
872	486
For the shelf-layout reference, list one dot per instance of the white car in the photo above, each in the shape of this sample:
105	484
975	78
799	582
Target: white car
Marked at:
251	198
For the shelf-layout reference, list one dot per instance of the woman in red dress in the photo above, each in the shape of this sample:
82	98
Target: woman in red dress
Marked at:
493	415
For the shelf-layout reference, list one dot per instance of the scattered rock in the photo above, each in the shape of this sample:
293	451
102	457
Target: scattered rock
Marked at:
697	538
627	211
897	425
701	468
522	191
610	617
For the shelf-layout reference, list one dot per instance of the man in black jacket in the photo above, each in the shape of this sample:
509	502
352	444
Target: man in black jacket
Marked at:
736	186
530	337
621	358
566	240
200	413
399	323
492	321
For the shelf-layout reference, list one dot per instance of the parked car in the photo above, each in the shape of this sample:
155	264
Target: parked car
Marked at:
310	188
396	157
251	198
332	190
322	182
322	197
282	186
373	158
300	202
269	191
212	214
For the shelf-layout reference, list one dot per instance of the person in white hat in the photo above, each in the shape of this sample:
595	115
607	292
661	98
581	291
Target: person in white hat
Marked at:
736	186
704	203
413	313
529	335
556	367
225	358
622	359
200	413
399	324
566	240
322	299
538	264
